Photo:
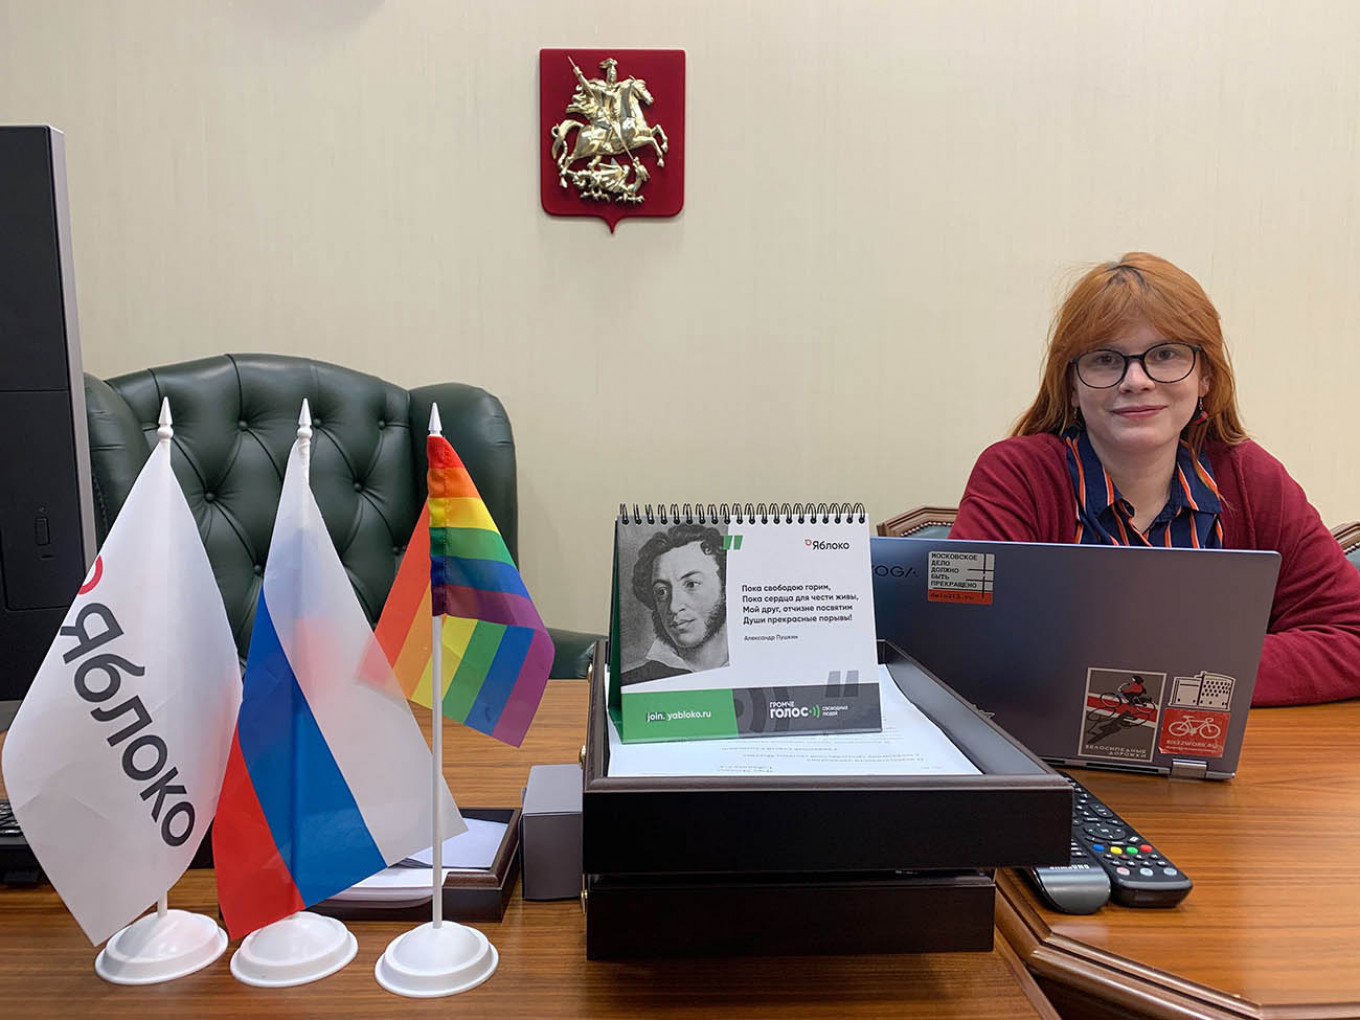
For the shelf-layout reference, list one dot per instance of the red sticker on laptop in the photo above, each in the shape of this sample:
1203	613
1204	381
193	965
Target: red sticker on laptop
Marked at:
1195	720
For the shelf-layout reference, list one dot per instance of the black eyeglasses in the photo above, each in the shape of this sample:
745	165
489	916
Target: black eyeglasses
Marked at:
1164	363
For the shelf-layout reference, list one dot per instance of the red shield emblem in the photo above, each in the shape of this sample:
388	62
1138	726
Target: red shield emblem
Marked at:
612	132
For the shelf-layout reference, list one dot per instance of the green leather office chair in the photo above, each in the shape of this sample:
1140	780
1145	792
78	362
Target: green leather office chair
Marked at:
922	522
235	421
1348	535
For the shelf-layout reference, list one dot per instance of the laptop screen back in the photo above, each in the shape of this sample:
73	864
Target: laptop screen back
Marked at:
1143	659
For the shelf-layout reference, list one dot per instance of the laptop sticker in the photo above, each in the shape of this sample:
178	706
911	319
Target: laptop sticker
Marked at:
961	577
1120	716
1196	717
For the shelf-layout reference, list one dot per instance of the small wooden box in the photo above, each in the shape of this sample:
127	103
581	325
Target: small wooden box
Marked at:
468	896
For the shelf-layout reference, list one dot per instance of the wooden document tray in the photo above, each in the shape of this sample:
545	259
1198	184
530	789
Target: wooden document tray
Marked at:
473	895
809	864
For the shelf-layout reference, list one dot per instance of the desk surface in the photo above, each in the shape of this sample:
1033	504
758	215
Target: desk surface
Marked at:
1272	927
46	964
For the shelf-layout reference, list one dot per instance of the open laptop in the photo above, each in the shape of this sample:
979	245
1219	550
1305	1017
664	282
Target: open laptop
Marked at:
1128	658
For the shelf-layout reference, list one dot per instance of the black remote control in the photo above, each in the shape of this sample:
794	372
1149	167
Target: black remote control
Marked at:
1078	887
1140	875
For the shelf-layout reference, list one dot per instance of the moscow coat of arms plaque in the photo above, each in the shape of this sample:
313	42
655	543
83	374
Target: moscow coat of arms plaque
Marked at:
612	125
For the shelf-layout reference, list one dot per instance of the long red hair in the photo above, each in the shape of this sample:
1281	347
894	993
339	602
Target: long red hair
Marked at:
1137	288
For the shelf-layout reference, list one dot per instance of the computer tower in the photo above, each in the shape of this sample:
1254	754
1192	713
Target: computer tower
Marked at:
46	510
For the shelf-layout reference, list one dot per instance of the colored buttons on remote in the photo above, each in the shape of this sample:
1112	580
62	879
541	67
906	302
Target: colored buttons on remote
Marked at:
1140	875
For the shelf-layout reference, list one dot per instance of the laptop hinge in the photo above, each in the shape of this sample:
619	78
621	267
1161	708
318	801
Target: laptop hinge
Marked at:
1181	769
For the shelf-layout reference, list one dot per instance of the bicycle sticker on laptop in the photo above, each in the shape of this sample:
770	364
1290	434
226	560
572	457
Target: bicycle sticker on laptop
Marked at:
1195	720
1120	717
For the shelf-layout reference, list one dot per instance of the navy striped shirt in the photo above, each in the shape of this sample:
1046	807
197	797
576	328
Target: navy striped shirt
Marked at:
1104	517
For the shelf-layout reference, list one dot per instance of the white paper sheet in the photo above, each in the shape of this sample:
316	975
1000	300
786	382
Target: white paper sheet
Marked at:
474	849
909	745
396	887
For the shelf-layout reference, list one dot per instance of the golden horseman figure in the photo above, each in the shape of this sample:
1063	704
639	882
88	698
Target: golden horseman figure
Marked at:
616	125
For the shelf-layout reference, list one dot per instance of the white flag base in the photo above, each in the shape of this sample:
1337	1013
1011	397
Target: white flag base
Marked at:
301	948
155	948
428	961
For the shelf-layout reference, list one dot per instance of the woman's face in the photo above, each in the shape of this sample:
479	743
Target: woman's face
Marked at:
1138	416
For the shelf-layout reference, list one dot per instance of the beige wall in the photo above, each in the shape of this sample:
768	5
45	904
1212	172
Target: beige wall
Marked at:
883	201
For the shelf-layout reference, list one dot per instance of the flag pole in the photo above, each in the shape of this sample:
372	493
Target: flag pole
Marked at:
436	740
302	946
168	944
436	958
164	434
304	438
304	441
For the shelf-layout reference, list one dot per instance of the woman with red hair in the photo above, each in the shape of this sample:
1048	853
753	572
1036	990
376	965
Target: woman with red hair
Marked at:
1135	439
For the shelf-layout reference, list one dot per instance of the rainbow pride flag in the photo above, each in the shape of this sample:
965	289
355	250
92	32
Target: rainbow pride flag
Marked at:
496	651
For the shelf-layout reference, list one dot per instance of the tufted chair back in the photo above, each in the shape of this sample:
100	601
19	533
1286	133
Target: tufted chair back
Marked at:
235	420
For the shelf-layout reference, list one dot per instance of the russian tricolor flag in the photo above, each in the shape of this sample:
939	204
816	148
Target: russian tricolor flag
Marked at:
328	780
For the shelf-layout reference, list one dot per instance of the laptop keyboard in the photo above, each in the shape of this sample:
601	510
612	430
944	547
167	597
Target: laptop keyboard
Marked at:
18	866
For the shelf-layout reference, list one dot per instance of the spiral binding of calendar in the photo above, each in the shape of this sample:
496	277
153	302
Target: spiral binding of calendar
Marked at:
743	513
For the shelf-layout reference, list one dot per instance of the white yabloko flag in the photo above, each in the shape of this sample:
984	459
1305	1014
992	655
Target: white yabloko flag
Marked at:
115	760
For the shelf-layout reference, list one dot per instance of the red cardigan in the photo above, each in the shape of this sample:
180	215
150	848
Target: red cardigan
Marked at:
1020	491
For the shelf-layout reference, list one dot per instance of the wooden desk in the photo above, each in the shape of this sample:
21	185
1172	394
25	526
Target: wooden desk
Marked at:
1272	927
47	966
